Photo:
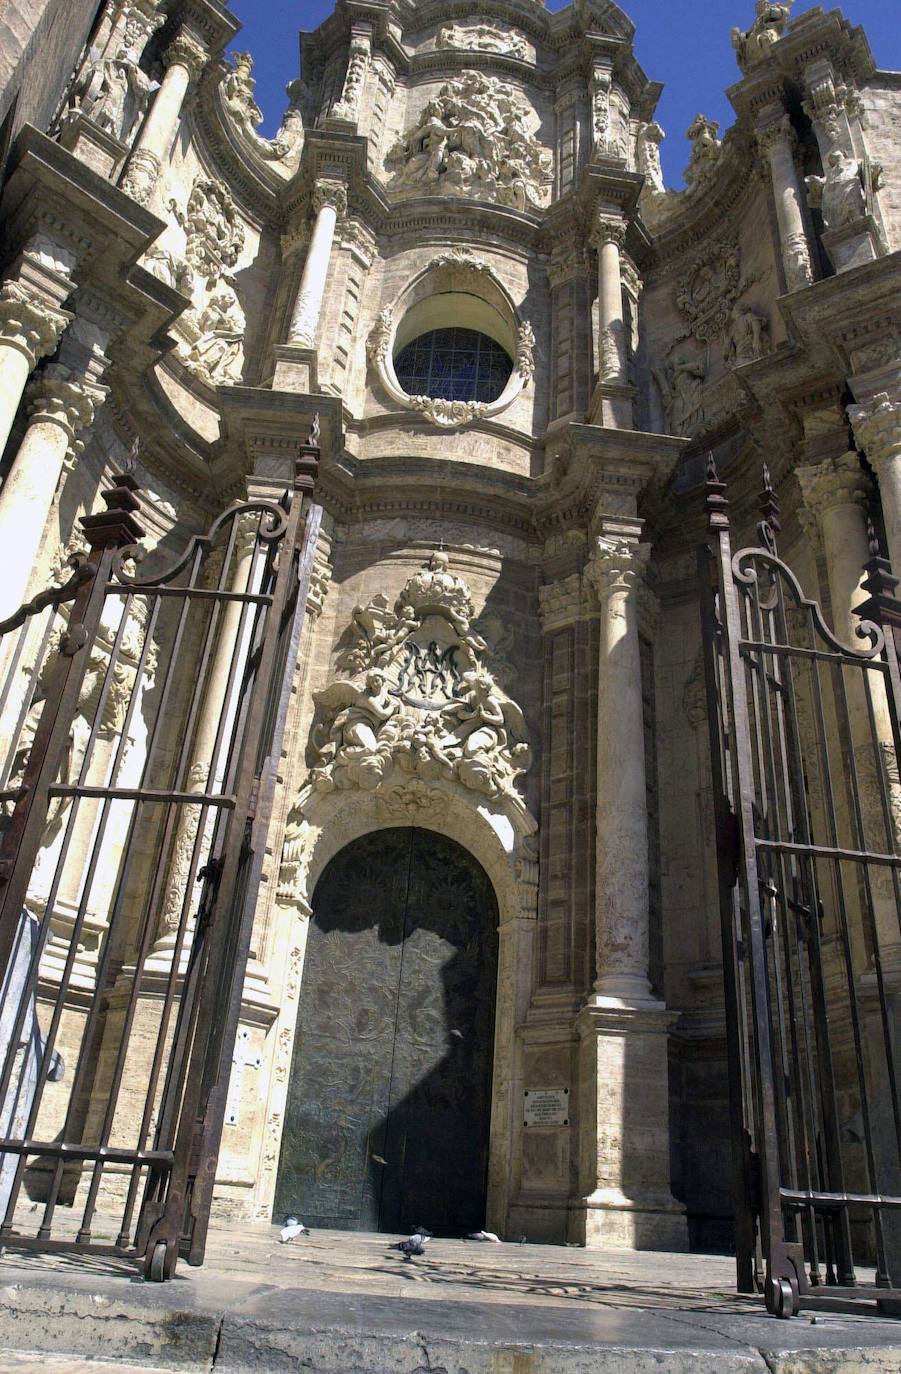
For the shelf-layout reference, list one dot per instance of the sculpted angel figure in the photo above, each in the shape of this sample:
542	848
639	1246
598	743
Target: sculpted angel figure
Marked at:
481	723
767	29
361	713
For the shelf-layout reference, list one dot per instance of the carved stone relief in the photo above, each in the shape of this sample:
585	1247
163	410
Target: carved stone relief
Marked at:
420	699
347	106
484	38
473	139
679	381
747	334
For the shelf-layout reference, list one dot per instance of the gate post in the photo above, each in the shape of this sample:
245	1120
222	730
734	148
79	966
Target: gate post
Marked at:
106	532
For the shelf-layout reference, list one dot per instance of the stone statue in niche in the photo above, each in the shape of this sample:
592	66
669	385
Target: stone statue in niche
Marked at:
842	194
472	139
114	92
649	141
706	150
237	91
768	27
747	334
483	38
679	382
421	699
217	355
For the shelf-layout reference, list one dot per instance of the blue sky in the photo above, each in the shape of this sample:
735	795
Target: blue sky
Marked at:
683	43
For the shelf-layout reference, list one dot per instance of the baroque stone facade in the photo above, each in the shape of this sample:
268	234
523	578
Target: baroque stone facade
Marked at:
459	251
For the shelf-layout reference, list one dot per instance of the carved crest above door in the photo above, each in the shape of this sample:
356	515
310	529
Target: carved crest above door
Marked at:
419	697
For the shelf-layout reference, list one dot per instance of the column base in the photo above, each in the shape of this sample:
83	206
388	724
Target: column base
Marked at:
612	405
853	244
295	368
625	1200
609	1220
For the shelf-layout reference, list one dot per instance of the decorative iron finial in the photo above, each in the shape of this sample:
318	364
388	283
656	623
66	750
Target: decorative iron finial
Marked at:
313	440
715	502
117	524
770	524
873	539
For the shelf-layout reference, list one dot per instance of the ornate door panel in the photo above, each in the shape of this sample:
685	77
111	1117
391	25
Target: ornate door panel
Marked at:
393	1054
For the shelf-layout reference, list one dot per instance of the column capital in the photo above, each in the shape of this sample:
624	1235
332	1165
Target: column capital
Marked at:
608	229
62	397
877	428
28	322
617	565
187	52
834	483
332	193
774	132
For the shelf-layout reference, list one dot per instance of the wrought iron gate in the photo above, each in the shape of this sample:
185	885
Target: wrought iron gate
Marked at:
141	719
804	734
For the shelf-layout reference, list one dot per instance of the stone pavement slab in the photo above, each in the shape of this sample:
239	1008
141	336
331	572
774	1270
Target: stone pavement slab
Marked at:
343	1303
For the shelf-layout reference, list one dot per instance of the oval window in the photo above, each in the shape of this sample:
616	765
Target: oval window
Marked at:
453	365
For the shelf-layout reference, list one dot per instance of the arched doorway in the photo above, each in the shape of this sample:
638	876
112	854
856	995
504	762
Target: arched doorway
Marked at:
387	1118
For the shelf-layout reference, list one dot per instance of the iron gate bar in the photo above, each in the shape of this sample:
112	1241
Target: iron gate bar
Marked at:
177	1168
788	1153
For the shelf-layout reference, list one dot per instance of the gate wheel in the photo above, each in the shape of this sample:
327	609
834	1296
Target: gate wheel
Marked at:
155	1267
781	1299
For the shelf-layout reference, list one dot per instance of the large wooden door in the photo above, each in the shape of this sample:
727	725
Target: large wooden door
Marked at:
388	1108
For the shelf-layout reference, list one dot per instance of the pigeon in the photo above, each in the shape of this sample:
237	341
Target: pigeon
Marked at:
413	1245
484	1235
292	1228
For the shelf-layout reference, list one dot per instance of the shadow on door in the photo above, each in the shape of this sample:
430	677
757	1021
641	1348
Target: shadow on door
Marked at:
387	1120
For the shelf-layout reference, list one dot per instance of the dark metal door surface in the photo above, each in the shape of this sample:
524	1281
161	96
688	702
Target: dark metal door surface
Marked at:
388	1108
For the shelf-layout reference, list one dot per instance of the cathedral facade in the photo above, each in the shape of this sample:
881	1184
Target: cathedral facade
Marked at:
485	982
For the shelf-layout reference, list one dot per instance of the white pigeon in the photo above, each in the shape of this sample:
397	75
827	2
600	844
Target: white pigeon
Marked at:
484	1235
292	1228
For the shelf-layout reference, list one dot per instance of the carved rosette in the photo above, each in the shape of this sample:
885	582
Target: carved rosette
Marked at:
28	323
422	702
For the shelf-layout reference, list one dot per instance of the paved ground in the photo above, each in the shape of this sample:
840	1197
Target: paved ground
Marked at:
337	1303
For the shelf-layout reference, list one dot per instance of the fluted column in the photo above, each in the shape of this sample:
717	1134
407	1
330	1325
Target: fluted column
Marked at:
622	898
184	60
60	403
30	329
877	428
609	237
776	139
329	201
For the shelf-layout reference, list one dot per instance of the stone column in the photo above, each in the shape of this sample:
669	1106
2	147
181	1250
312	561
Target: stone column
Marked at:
184	60
30	329
776	139
60	403
836	492
329	201
624	1157
616	572
609	237
877	428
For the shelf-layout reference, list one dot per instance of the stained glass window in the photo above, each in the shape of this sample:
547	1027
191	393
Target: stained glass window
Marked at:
454	365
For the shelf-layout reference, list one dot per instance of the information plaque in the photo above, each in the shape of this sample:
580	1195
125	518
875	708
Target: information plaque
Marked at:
545	1107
